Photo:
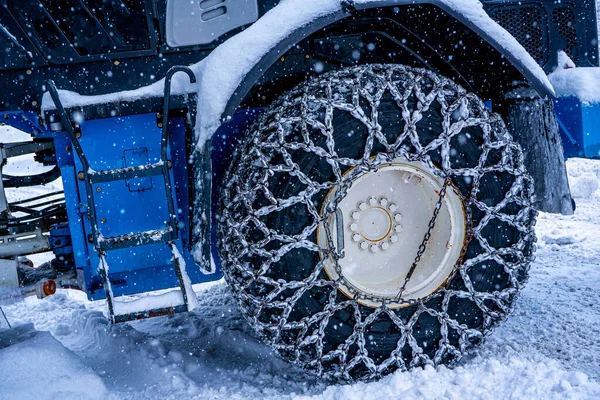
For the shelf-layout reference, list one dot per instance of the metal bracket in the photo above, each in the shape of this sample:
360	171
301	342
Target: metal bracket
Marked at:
203	208
25	243
8	150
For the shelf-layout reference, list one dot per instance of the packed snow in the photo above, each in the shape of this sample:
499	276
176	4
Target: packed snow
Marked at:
570	81
52	373
583	83
548	349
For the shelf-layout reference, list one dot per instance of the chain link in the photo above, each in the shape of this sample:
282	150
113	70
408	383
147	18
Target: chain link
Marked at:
423	245
303	121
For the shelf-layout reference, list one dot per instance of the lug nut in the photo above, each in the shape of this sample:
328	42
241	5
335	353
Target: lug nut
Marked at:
386	241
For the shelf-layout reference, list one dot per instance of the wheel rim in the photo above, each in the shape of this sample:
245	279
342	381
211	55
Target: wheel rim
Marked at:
380	223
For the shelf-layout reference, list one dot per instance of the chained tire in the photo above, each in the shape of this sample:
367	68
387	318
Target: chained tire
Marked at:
376	218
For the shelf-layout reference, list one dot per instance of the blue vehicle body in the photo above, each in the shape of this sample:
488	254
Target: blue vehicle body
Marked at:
138	204
130	205
579	126
131	137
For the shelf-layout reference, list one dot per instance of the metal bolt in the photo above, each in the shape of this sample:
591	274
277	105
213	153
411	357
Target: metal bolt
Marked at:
169	164
383	202
354	227
384	246
80	175
392	207
356	237
160	125
397	217
362	205
103	220
98	189
373	201
394	238
398	228
78	134
68	149
364	245
355	215
374	248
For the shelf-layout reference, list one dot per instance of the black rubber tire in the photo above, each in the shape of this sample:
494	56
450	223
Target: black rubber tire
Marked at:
275	272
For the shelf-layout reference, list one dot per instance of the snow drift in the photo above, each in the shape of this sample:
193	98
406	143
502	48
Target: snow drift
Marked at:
39	367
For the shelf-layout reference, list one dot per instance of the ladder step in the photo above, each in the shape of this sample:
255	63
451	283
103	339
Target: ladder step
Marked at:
151	305
121	174
158	312
136	239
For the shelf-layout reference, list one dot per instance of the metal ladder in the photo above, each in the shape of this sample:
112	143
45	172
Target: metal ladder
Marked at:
167	235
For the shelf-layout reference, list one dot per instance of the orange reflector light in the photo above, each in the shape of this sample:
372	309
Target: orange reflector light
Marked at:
49	287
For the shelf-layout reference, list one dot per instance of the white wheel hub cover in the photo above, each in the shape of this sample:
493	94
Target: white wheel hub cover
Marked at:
380	224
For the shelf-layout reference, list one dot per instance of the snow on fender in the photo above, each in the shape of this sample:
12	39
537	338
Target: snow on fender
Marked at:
224	69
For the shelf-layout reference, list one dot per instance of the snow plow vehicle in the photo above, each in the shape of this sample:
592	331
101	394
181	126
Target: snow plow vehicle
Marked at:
365	174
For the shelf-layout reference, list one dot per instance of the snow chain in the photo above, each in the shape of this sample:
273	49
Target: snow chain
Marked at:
240	217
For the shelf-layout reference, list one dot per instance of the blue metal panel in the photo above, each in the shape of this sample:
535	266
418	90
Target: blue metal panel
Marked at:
65	161
591	130
579	127
114	143
26	121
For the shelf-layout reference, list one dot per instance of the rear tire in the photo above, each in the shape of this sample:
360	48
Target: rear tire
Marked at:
318	139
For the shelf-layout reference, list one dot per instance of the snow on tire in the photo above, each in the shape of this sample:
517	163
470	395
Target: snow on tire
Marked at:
325	209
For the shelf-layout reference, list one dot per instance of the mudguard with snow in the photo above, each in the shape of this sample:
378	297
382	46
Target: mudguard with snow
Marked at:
341	162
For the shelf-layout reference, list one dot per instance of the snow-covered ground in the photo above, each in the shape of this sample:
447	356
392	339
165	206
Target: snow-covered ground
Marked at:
548	348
